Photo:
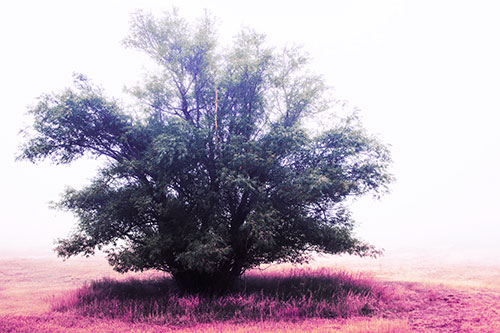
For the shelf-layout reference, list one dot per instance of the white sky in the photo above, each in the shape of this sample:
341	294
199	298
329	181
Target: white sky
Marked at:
425	74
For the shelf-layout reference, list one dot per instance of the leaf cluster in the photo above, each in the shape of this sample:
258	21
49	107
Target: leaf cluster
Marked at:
219	174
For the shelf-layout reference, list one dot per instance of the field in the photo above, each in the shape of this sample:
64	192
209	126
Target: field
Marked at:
436	291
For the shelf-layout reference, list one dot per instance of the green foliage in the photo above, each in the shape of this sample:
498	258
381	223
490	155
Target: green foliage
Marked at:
218	175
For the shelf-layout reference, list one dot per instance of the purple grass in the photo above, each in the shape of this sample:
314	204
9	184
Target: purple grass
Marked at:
294	295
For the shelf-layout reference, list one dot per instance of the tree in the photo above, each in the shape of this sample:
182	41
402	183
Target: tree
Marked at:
218	174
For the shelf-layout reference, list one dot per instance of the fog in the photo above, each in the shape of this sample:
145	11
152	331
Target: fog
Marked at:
425	76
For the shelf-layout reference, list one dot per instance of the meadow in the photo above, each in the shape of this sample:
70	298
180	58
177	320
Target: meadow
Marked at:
403	292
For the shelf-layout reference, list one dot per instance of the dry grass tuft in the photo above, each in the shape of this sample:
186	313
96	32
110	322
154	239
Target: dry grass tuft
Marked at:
286	296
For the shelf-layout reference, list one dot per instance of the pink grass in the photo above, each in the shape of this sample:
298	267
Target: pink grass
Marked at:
290	296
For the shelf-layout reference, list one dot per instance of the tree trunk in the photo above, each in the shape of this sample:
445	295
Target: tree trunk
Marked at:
203	282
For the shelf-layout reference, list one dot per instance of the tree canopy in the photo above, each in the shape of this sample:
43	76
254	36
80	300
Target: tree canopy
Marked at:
218	173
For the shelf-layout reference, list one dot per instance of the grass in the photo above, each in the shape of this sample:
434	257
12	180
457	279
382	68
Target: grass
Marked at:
285	296
64	323
408	295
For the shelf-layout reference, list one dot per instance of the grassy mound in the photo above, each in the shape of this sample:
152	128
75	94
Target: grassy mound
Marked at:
293	295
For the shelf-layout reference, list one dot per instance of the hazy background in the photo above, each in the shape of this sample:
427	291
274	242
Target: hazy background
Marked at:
426	76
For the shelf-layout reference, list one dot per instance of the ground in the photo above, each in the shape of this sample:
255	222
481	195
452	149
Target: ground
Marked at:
429	292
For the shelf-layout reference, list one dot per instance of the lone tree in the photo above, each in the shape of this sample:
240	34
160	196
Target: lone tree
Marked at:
218	174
